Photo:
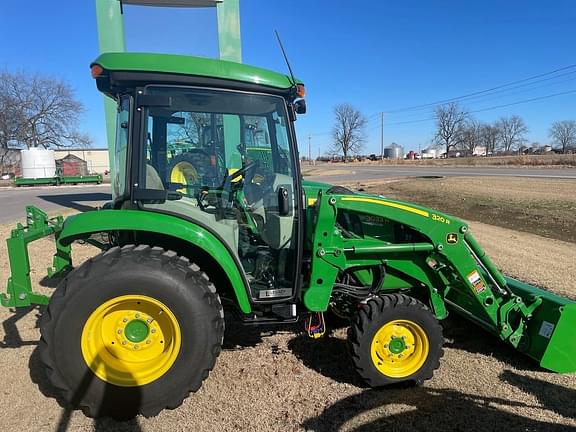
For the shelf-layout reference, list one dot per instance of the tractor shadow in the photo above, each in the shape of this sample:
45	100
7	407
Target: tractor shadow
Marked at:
12	338
328	356
127	401
464	335
74	200
552	396
238	336
424	409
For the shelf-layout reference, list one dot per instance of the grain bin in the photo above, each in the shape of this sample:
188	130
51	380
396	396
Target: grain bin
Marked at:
38	163
394	151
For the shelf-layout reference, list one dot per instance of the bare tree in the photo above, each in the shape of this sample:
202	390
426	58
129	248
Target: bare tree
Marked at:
563	134
194	128
511	132
37	111
450	121
489	137
470	137
349	130
10	115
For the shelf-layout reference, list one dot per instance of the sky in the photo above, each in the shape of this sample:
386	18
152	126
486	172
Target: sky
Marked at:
379	56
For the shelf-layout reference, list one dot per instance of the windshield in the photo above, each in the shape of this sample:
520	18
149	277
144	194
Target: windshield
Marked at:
206	135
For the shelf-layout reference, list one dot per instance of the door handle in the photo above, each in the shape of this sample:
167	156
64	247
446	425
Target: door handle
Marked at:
283	202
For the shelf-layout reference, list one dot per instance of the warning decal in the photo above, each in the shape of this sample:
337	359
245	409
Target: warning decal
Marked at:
546	329
476	282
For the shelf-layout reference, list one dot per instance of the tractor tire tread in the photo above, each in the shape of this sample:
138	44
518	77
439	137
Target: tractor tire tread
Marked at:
360	325
110	258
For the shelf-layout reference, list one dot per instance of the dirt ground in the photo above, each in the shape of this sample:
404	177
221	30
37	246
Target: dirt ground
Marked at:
283	381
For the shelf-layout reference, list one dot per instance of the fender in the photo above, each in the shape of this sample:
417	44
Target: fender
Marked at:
80	225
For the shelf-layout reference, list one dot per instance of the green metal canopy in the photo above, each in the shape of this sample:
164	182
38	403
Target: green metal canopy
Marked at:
174	3
189	65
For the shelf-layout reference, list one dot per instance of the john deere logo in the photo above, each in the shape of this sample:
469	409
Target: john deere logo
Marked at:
452	238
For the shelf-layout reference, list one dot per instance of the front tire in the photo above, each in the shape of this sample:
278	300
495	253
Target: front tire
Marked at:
395	338
132	331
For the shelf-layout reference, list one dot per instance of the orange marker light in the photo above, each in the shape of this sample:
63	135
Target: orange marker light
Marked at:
96	71
300	90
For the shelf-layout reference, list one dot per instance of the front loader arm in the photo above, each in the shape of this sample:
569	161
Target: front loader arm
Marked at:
436	257
445	263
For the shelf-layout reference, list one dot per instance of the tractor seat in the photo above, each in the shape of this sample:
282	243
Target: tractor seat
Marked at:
153	180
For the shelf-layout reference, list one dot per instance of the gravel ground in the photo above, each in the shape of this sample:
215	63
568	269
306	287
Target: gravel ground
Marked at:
282	381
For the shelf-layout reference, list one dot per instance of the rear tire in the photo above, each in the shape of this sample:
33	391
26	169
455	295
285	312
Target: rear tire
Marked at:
395	338
132	331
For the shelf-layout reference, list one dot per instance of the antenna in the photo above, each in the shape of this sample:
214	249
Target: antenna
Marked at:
285	57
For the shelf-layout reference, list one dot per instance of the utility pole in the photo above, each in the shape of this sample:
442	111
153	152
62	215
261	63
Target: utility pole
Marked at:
310	149
382	136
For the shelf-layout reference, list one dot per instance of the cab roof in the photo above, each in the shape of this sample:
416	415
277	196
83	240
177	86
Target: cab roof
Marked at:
190	66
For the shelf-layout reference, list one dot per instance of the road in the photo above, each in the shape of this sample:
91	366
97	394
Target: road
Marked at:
50	198
346	174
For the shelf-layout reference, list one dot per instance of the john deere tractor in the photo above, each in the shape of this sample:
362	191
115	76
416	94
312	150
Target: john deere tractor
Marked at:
211	217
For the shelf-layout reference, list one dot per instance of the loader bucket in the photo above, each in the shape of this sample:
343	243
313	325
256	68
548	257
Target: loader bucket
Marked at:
551	333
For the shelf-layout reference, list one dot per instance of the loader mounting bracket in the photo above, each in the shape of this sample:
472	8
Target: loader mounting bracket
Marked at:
38	225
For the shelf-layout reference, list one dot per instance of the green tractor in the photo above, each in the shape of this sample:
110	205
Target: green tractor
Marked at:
211	217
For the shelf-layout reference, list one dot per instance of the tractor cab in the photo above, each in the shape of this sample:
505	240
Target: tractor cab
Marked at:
219	152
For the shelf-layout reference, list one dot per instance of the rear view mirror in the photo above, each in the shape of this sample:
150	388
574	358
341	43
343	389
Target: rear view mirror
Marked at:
146	100
176	120
300	106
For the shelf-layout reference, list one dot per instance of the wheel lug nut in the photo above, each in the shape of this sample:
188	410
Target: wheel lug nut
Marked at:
153	331
149	320
125	320
385	345
400	355
119	331
148	342
124	342
136	346
137	315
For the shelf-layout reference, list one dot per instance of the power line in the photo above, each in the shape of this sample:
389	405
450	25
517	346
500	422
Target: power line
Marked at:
453	99
482	109
525	101
488	92
497	95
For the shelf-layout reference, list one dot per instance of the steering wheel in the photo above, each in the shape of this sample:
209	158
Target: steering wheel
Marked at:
242	171
247	171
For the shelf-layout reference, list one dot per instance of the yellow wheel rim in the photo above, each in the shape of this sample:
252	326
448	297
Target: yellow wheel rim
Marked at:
131	340
399	348
183	173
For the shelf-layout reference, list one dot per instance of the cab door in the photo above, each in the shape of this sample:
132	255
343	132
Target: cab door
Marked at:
230	158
